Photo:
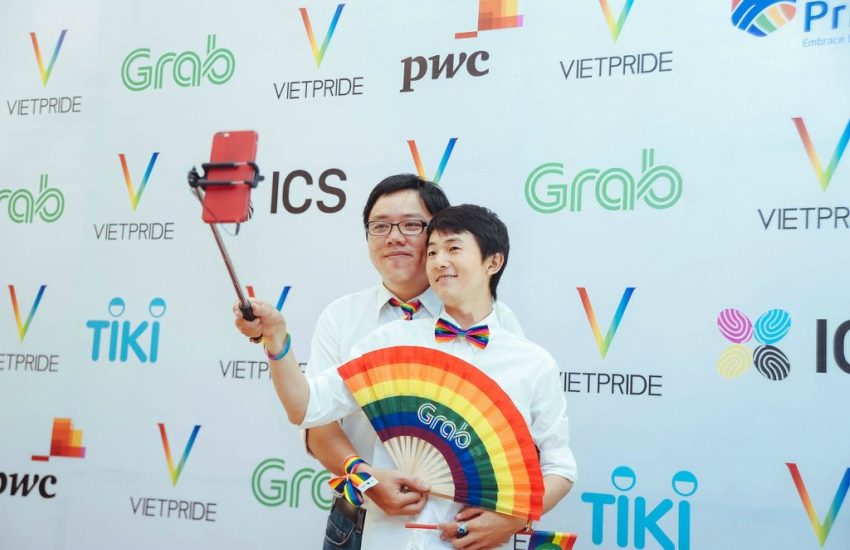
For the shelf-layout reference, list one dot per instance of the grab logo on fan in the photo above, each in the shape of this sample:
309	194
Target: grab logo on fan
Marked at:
444	426
770	361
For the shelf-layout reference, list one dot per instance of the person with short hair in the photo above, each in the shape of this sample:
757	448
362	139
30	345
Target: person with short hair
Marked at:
467	251
395	216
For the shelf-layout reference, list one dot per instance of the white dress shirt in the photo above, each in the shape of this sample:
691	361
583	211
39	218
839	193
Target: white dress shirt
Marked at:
527	373
348	320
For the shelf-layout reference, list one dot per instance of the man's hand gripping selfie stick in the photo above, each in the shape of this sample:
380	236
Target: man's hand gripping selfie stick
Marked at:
200	184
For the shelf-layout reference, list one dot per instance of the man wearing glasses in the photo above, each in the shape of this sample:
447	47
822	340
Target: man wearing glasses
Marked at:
395	217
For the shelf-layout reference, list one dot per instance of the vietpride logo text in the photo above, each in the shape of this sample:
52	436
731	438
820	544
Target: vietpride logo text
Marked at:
187	69
614	189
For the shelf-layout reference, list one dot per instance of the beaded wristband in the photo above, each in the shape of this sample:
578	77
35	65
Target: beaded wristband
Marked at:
283	352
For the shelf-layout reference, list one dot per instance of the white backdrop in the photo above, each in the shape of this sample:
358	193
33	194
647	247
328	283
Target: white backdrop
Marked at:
716	121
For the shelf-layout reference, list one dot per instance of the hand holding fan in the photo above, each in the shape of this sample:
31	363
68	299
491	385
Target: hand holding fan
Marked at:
446	422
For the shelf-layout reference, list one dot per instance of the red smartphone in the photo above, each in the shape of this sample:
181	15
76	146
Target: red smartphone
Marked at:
230	203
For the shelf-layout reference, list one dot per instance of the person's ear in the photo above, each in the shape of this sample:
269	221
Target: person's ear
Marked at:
494	263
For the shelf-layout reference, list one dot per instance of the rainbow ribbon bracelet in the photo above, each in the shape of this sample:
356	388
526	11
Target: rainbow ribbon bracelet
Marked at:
353	484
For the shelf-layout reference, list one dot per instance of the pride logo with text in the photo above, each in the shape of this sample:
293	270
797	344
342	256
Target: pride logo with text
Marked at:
812	217
45	105
173	508
252	369
135	230
603	382
311	88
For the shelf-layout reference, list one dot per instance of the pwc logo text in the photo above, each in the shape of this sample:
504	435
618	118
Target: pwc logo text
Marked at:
493	15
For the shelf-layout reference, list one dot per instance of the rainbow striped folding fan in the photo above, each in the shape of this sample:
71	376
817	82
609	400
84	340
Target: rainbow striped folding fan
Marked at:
550	540
447	423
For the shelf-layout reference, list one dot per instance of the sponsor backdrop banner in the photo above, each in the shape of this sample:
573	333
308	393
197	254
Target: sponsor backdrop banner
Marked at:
672	175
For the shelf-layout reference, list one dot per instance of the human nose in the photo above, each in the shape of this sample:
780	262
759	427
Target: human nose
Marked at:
395	233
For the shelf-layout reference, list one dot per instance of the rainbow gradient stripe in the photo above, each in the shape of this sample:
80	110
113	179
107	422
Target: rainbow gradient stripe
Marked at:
408	308
824	177
136	196
24	327
616	27
821	530
498	469
65	441
494	15
551	540
175	474
45	73
478	336
604	345
281	299
420	169
319	54
762	17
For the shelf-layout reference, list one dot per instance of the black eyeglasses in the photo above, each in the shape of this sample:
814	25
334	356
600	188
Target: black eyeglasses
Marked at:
407	227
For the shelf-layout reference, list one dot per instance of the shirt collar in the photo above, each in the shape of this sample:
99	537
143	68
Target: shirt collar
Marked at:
491	320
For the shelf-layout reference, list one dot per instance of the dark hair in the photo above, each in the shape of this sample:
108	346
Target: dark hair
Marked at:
432	196
489	231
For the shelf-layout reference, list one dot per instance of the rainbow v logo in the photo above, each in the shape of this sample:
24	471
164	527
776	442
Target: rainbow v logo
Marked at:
420	169
280	301
136	196
319	54
24	327
175	474
616	27
823	177
821	530
45	73
605	344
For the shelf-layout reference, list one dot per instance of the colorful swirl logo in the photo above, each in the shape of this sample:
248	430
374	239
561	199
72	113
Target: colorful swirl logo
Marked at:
762	17
771	327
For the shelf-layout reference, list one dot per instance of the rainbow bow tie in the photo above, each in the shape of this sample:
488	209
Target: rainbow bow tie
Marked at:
408	308
478	336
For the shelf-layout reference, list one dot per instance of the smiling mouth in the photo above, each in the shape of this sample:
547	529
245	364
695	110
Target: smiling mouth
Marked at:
444	277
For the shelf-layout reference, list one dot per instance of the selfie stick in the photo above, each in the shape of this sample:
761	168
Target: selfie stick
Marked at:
198	184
